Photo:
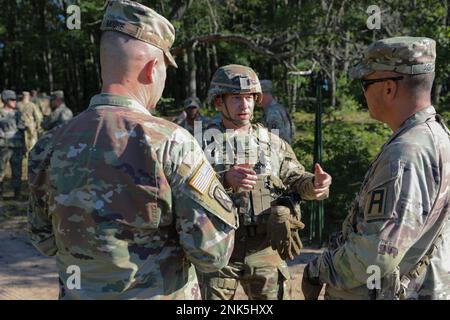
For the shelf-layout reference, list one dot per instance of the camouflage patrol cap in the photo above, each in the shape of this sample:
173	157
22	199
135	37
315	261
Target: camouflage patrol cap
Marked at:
234	79
140	22
57	94
8	95
266	86
25	93
407	55
192	102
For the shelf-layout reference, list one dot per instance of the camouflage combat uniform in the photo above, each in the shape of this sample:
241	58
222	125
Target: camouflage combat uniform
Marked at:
127	197
277	117
12	145
43	103
202	121
400	220
115	188
33	117
259	268
60	115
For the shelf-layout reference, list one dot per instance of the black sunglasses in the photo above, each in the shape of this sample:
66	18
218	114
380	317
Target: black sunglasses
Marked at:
365	83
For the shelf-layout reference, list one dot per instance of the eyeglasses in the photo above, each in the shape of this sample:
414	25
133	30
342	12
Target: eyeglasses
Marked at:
365	83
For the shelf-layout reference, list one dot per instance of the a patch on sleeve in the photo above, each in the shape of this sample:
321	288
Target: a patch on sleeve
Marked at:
375	207
222	197
202	177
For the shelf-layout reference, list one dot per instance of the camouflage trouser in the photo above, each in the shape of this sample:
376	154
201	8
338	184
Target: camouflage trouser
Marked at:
263	276
15	157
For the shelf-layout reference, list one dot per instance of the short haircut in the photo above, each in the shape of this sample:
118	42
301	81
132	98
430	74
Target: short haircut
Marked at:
419	84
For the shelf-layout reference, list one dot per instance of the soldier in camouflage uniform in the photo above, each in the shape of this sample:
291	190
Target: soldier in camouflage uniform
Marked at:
12	143
60	112
192	108
252	163
32	116
127	197
43	102
399	226
34	96
275	115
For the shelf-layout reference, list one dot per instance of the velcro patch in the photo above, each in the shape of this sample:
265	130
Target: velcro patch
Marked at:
202	177
375	207
222	197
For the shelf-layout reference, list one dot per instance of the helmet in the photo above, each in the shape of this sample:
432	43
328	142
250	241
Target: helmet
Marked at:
234	79
192	102
8	95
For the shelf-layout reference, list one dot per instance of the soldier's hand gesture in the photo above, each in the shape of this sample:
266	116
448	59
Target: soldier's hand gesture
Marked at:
322	182
240	178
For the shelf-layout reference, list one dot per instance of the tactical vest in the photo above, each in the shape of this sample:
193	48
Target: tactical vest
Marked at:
255	148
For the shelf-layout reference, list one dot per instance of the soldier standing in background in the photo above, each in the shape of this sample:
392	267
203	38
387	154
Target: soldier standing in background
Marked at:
399	224
32	115
34	96
44	104
12	142
127	197
252	164
60	112
275	115
192	108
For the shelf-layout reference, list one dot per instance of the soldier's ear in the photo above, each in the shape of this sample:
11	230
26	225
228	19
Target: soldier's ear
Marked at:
218	102
390	89
150	69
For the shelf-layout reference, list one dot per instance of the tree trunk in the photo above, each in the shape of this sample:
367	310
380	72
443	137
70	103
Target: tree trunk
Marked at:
186	73
333	78
192	72
347	52
436	93
94	60
208	74
50	67
293	101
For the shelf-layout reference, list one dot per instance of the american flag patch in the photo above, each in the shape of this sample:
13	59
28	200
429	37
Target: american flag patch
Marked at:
202	178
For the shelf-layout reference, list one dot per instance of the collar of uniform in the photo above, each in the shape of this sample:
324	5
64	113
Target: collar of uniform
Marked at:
108	99
420	116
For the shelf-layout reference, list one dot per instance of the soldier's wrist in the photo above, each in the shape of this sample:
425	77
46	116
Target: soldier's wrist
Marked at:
223	180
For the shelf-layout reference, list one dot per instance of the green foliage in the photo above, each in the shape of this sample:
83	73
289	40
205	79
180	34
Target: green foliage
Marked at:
347	102
349	148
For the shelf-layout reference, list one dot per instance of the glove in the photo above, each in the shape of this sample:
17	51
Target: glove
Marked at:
282	230
311	286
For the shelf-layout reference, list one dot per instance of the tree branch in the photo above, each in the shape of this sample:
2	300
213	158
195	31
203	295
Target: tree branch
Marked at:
237	38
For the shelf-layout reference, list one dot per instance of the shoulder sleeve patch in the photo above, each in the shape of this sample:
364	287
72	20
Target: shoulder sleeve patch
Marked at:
375	207
205	189
383	191
202	177
218	192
